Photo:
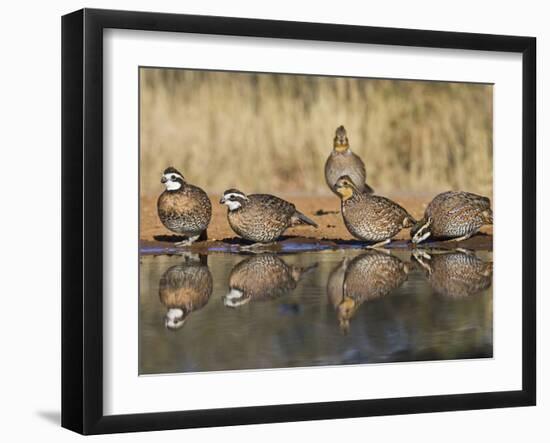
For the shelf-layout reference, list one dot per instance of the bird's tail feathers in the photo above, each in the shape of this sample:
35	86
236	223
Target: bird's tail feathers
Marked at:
300	219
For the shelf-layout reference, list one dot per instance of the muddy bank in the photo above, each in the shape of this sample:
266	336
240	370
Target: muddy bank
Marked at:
325	211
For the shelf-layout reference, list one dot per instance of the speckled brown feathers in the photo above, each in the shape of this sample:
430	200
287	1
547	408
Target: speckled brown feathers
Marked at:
368	277
186	287
185	209
261	277
370	217
261	218
455	274
453	214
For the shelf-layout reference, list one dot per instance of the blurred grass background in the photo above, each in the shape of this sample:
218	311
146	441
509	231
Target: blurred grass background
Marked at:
273	133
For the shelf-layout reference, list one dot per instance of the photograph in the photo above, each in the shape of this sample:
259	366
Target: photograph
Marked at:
291	220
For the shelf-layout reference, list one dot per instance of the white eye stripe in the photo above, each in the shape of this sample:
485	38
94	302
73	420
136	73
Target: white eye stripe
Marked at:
235	194
172	176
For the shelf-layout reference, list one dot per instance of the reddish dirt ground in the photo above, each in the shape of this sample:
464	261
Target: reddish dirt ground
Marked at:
325	211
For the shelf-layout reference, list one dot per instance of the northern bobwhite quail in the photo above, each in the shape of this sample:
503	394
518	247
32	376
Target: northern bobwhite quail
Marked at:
184	288
183	208
370	217
453	215
367	277
342	161
262	277
455	273
261	218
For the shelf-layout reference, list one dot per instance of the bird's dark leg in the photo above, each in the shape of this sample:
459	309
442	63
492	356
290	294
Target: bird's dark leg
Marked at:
235	298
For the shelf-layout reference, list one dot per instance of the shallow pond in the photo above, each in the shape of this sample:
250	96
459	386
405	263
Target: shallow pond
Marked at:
235	311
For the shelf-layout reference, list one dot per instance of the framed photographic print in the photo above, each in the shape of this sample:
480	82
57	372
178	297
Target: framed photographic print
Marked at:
269	221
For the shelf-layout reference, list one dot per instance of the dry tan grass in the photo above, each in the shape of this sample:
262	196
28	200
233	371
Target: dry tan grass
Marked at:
263	132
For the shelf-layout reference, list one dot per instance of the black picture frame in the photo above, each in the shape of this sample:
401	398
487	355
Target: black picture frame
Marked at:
82	218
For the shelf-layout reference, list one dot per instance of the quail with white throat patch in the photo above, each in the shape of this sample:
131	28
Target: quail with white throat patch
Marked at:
183	208
370	217
184	288
342	161
453	216
262	277
455	273
261	218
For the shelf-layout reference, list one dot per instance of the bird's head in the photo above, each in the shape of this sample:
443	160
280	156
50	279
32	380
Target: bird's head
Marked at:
172	179
235	298
174	318
345	311
421	230
345	187
233	199
341	142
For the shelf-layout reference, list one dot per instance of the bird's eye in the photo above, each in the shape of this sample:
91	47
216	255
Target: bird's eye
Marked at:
173	177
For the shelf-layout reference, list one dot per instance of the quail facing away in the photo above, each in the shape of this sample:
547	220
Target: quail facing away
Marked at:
371	217
342	161
455	273
261	218
262	277
367	277
453	215
183	208
183	289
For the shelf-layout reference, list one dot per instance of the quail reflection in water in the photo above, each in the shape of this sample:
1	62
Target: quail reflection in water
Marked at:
184	288
262	277
366	277
300	329
456	273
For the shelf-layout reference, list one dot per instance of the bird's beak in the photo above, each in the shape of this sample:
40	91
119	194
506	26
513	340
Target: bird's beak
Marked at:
163	179
222	200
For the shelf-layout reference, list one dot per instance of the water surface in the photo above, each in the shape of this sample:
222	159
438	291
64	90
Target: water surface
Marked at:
234	311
